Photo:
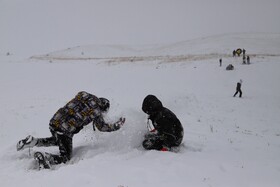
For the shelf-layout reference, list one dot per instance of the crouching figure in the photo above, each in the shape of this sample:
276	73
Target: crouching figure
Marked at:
166	130
83	109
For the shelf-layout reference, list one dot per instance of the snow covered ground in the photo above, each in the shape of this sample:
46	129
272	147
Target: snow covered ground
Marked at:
229	142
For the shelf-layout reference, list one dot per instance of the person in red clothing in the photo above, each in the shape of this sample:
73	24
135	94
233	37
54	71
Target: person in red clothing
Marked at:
85	108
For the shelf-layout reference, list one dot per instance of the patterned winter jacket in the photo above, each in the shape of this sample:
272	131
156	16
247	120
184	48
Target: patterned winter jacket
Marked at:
80	111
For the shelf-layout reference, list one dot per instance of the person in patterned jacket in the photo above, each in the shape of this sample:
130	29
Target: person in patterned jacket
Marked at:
85	108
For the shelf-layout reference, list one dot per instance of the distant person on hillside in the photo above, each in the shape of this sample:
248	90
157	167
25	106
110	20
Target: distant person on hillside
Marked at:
244	52
238	89
244	60
220	62
166	130
248	60
233	53
230	67
67	121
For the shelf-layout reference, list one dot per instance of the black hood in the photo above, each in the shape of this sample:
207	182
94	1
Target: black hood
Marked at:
151	104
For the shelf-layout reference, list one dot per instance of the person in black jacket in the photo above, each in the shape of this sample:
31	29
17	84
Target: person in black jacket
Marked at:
83	109
166	130
238	89
248	59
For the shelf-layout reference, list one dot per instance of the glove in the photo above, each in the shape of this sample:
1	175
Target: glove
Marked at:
119	123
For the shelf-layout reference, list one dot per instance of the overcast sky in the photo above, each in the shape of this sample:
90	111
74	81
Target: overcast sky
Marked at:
40	26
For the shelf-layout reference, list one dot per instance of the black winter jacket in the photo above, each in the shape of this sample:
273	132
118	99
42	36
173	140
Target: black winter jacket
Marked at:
165	122
238	86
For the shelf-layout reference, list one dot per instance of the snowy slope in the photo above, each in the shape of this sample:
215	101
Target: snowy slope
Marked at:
198	49
228	141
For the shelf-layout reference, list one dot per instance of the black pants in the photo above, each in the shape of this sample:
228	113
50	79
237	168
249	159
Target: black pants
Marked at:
157	142
238	91
63	142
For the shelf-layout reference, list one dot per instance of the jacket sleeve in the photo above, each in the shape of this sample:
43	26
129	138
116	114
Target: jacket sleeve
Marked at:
165	129
101	125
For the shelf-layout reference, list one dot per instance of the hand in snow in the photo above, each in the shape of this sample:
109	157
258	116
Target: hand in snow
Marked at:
120	123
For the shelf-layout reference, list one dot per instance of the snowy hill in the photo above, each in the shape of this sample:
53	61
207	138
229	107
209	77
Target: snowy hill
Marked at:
198	49
228	141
